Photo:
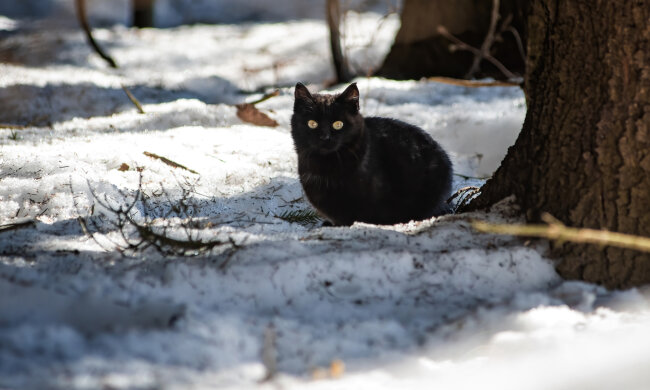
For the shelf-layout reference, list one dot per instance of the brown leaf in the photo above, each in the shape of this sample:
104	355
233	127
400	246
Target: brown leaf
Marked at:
249	113
337	368
123	167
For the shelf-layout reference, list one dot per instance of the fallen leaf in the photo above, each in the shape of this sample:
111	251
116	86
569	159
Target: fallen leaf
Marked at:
247	112
337	368
123	167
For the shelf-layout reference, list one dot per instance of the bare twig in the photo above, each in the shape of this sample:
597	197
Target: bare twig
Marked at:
464	46
83	20
13	127
169	162
17	225
138	235
133	99
487	42
475	83
88	233
557	231
266	97
520	45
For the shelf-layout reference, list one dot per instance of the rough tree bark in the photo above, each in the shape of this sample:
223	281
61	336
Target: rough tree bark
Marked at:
583	154
419	49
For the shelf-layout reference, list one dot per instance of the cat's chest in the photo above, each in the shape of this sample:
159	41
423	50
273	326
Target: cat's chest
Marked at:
353	186
339	183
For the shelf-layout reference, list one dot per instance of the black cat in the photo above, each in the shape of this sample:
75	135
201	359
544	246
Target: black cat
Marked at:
375	170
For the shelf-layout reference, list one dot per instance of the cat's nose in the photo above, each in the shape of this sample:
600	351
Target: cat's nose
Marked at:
325	137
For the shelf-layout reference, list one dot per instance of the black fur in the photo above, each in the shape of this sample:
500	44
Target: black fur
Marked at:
375	170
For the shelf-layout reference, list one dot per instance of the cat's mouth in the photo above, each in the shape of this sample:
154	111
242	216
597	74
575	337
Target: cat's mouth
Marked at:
327	149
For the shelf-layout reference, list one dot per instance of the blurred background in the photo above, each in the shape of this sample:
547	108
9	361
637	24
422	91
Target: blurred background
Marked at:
170	13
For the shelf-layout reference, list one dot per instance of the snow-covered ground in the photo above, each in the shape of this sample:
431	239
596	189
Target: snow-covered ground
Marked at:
428	304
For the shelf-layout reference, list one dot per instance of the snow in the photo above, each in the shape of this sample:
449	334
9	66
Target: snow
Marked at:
419	305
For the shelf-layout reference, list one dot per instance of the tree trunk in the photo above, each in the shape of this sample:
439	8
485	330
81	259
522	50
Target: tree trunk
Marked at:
420	50
142	13
583	154
333	13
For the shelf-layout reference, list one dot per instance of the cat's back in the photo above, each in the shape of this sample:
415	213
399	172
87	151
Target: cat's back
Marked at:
397	137
417	167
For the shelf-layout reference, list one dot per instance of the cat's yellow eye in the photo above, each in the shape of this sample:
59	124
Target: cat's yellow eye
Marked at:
312	124
338	125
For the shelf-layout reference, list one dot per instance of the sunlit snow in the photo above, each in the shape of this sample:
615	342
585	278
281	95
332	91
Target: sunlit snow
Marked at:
428	304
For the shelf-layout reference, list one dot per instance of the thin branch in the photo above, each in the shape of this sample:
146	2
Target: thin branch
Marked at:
520	45
487	42
13	127
464	46
133	99
475	83
83	20
90	234
176	246
266	97
557	231
136	236
17	225
170	162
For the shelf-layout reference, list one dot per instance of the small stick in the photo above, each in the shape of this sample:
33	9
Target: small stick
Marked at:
487	43
557	231
170	162
474	83
17	225
266	97
83	20
13	127
464	46
520	45
133	99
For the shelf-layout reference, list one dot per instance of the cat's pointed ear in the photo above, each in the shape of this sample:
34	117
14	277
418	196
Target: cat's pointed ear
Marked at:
350	96
302	93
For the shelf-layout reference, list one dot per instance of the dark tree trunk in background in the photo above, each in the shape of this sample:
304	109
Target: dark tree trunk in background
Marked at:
419	50
333	13
142	13
583	154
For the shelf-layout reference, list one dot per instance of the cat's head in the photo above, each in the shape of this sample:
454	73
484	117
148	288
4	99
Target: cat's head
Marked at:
326	123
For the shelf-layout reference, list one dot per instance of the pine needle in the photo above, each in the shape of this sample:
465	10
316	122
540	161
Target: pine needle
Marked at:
302	217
